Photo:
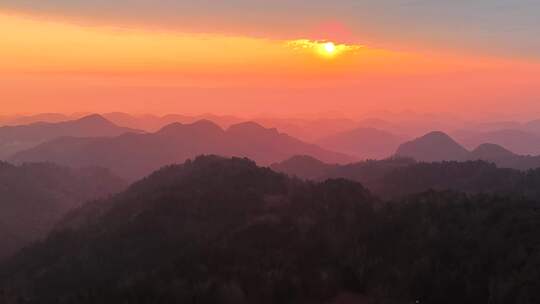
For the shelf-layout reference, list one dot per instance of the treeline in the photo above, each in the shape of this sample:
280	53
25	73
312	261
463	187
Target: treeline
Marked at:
395	178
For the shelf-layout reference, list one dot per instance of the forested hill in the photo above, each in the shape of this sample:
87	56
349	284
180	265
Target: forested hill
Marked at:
34	196
226	231
398	177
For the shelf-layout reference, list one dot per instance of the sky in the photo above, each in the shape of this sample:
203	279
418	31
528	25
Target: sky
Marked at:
273	57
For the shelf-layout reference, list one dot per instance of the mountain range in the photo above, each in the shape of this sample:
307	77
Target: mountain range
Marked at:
133	155
307	129
152	123
94	140
21	137
520	137
16	120
438	146
522	142
302	128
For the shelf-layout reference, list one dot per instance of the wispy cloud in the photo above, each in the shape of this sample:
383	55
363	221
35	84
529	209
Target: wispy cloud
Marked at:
323	47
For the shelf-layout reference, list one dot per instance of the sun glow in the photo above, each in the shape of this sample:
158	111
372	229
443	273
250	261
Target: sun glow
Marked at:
330	47
323	48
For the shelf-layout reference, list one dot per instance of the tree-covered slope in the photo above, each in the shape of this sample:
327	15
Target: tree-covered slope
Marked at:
34	196
226	231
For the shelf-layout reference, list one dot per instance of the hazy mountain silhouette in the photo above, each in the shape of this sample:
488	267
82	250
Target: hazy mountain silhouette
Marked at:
432	147
308	129
491	152
377	123
504	158
517	141
34	196
135	155
437	146
146	122
17	138
153	123
302	128
28	119
268	145
411	124
219	230
367	143
532	126
496	126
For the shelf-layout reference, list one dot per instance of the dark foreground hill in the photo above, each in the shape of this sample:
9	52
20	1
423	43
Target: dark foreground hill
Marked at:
133	156
34	196
226	231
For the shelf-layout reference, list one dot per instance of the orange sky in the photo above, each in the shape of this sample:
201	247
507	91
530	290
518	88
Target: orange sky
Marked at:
48	65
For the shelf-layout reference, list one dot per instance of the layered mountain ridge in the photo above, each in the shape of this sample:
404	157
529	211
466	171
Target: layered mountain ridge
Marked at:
135	155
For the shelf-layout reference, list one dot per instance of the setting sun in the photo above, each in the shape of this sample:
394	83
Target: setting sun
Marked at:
323	48
330	47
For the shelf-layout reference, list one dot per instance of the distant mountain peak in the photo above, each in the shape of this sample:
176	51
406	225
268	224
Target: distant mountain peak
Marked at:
438	135
206	123
250	127
489	146
247	125
434	146
491	151
202	125
170	128
94	118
